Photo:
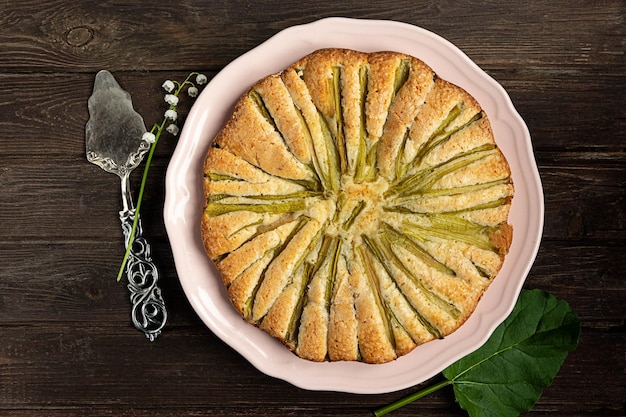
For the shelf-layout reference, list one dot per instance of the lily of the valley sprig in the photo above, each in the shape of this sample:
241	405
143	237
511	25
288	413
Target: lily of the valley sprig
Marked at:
170	124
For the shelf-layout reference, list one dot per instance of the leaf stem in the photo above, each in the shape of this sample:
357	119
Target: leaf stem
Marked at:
410	398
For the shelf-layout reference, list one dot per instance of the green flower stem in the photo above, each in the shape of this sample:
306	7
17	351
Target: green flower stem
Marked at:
144	178
184	83
413	397
159	129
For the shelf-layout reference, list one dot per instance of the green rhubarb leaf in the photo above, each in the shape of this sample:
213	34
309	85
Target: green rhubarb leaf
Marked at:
506	376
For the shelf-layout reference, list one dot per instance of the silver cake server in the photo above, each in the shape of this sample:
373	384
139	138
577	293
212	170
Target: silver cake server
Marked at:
113	137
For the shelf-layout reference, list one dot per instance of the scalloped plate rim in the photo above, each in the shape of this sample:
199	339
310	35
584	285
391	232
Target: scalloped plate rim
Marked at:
200	280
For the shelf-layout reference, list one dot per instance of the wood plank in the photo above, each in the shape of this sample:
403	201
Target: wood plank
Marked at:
75	281
51	36
41	110
584	196
556	109
72	200
49	369
36	125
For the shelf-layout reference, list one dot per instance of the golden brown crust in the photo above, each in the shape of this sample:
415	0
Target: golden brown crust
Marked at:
356	205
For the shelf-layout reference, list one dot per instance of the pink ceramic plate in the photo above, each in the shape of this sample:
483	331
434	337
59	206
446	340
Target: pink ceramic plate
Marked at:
184	202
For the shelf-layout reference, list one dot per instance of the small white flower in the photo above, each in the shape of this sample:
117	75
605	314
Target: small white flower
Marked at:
171	99
149	137
192	91
168	86
201	79
171	115
172	128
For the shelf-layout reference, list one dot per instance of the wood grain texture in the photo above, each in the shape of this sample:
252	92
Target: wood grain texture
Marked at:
67	346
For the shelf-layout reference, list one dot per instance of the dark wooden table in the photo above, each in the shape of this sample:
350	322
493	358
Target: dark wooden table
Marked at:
67	347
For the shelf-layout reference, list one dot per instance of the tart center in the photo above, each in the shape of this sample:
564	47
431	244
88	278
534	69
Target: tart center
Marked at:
359	206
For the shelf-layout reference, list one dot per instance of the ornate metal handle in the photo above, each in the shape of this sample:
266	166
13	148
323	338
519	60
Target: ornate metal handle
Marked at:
148	308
